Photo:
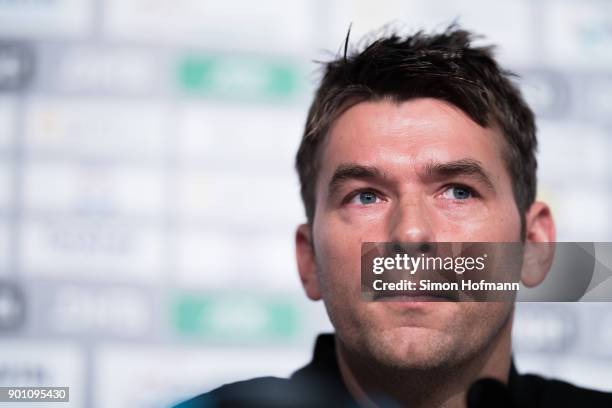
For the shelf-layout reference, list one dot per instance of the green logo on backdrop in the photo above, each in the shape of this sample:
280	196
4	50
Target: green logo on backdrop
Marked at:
231	317
235	77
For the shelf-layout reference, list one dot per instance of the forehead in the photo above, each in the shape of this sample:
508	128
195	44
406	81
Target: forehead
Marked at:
404	135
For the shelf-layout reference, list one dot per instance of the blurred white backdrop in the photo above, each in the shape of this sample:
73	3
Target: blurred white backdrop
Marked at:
144	143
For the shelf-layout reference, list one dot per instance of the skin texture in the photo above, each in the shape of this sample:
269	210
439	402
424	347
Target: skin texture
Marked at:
385	348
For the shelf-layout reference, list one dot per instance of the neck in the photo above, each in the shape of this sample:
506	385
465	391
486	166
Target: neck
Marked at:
442	387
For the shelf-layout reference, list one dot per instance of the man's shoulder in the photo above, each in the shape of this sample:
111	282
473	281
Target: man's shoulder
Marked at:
317	384
529	391
261	391
556	393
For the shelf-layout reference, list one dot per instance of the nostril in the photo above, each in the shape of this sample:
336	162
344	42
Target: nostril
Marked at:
410	248
424	248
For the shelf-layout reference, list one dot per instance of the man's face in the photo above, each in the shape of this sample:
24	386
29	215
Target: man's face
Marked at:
417	171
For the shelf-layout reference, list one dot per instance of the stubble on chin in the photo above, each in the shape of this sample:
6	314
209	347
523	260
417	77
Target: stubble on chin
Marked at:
429	348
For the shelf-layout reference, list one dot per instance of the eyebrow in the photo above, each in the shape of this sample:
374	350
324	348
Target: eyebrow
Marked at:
437	170
464	167
352	171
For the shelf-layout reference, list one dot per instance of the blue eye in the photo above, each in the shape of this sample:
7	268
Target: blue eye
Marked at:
365	198
458	193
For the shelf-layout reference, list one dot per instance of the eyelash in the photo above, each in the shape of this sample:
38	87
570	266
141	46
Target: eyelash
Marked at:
352	195
473	192
355	193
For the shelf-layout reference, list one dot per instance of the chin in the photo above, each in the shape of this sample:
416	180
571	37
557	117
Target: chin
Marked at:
414	348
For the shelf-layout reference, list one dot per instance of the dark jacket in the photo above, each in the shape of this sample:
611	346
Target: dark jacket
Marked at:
319	384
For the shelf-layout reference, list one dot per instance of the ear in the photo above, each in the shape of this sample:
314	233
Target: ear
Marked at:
540	239
306	261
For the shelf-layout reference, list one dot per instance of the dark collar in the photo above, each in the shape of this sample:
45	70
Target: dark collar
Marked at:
323	373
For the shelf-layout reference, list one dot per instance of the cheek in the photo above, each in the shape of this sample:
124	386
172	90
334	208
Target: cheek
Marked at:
505	225
500	224
479	321
339	272
338	257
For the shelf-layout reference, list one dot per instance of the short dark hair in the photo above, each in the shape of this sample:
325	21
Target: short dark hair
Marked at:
442	65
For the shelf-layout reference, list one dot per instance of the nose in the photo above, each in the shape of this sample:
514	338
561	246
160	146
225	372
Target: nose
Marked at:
410	223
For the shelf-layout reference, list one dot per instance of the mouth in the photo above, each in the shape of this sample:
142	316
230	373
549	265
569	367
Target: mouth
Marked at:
415	296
